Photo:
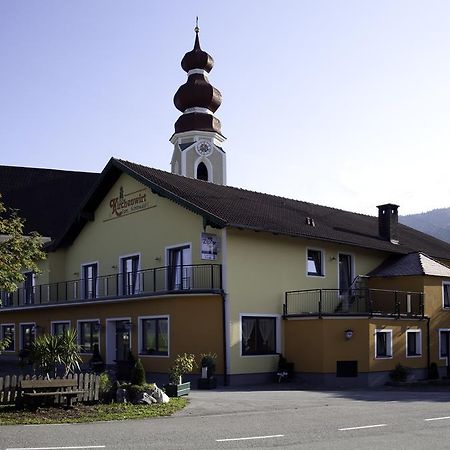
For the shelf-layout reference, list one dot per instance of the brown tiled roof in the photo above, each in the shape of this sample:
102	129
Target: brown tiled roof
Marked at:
409	265
46	198
239	208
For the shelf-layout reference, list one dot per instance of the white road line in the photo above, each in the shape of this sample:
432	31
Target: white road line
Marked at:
58	448
437	418
249	438
361	428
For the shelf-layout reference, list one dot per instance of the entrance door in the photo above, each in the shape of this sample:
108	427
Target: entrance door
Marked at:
122	340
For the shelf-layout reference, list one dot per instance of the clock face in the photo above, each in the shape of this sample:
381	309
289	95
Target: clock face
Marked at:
204	148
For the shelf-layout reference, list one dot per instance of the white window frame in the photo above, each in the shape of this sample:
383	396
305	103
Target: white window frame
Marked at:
277	334
139	273
145	355
2	336
418	334
55	322
82	279
79	334
444	284
20	332
389	345
322	262
439	348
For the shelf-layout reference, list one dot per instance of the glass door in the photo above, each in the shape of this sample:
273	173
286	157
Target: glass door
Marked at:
122	340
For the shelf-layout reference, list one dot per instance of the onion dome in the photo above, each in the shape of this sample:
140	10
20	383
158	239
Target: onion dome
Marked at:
197	99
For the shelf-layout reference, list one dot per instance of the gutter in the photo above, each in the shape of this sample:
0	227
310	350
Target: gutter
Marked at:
224	340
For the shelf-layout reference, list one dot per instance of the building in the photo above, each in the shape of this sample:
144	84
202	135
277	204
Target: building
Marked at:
164	263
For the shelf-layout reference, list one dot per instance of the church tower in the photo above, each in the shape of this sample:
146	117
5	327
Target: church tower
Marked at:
197	138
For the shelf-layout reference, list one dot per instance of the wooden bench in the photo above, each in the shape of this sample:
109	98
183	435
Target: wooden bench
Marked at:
32	390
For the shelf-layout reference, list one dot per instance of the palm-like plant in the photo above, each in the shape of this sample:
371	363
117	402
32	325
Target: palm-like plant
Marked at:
50	351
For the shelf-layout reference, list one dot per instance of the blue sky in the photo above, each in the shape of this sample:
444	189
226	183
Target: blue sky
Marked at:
340	103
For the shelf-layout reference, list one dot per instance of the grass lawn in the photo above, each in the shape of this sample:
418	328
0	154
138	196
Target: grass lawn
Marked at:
89	413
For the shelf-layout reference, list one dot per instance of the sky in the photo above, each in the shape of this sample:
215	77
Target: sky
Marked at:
339	103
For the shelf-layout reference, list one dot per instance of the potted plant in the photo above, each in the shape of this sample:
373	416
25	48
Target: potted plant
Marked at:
208	367
183	364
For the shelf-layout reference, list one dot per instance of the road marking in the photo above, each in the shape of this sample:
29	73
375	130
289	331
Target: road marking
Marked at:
361	428
249	438
437	418
58	448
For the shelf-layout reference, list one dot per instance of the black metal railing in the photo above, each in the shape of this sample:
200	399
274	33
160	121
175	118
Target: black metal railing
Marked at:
330	302
169	279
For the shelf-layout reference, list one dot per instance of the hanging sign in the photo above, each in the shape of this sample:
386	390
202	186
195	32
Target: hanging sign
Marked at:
210	244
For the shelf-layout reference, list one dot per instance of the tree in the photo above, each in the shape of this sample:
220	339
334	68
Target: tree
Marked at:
4	344
17	251
49	351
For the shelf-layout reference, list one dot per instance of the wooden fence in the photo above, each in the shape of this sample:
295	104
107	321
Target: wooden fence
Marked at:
88	382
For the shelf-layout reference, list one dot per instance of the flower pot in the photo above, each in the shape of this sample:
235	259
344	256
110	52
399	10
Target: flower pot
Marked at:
177	390
207	383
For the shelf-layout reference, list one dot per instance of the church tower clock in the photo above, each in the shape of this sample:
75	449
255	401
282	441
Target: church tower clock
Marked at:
197	139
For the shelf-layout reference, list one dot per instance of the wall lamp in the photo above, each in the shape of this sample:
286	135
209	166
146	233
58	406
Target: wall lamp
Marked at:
348	333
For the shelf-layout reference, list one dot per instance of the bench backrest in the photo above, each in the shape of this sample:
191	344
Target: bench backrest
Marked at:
37	384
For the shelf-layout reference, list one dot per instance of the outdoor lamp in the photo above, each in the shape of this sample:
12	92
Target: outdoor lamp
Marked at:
348	334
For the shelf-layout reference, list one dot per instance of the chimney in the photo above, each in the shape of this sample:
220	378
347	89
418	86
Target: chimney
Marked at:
388	222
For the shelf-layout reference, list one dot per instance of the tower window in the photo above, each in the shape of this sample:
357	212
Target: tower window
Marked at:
202	172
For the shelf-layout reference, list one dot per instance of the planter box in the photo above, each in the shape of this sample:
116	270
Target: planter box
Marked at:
207	383
177	390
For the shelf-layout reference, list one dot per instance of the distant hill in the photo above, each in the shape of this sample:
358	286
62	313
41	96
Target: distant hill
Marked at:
435	222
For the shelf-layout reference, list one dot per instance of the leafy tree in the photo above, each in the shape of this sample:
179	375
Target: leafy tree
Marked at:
49	351
17	251
4	344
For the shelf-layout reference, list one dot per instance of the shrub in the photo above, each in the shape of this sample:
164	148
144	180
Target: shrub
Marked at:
183	364
400	373
105	387
138	375
208	360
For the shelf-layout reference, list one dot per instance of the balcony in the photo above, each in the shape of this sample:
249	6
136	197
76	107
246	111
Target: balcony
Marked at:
354	302
192	279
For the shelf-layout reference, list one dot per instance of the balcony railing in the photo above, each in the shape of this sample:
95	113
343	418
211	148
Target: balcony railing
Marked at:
372	302
160	280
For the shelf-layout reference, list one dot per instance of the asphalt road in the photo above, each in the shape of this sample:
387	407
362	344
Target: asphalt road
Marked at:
230	419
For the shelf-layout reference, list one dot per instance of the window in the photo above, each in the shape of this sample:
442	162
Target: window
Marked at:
129	270
154	336
444	339
413	343
202	172
59	328
89	335
27	335
446	294
258	335
29	287
179	270
8	332
315	263
90	280
383	344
